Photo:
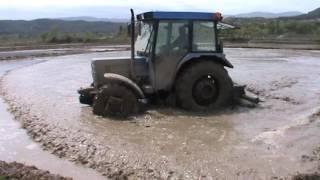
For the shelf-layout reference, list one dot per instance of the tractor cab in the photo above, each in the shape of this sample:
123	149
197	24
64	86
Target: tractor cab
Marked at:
167	40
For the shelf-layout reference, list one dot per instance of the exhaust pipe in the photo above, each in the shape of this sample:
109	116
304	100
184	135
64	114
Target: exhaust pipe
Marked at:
132	73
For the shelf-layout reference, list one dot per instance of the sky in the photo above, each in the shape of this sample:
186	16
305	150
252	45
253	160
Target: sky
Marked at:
32	9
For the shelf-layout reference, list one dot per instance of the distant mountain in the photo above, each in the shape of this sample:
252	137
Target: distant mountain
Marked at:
244	15
315	14
94	19
39	26
267	14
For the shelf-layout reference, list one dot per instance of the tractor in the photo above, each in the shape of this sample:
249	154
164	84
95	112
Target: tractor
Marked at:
173	54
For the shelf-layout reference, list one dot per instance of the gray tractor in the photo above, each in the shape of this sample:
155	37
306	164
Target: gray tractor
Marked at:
173	54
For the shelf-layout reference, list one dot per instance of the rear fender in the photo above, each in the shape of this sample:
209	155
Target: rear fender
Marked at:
217	57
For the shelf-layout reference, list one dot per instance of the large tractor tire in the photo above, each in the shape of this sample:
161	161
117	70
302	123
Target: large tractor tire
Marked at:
204	86
115	100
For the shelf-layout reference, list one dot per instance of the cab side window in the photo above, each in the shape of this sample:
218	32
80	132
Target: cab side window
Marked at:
203	36
179	36
172	37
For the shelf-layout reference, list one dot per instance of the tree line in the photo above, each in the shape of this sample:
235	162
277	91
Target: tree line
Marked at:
273	29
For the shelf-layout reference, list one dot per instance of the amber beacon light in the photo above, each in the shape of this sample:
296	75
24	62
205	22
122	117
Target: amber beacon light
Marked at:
217	16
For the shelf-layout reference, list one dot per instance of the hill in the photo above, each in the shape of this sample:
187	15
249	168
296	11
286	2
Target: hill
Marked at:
94	19
39	26
90	29
315	14
302	28
267	14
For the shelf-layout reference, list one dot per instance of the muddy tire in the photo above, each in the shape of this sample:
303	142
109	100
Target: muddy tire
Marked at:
115	100
204	86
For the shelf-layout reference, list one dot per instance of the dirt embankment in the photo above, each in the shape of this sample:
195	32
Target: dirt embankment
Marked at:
314	176
275	44
14	53
55	46
18	171
41	54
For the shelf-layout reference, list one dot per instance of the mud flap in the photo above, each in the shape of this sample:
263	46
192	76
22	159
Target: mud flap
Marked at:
242	98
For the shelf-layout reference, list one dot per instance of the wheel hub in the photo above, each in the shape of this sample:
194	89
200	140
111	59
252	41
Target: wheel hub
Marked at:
205	90
114	105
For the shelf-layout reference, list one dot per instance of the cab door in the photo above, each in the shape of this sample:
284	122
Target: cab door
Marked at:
172	44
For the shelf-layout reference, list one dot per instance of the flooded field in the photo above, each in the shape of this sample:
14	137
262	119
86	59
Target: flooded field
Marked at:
278	139
16	145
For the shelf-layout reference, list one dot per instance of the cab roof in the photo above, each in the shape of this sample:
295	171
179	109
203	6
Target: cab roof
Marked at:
163	15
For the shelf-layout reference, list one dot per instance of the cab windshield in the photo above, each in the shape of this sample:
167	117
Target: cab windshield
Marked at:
144	40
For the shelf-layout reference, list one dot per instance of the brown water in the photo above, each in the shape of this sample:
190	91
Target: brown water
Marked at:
258	143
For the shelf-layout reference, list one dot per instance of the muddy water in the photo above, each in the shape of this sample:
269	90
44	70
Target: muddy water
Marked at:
16	145
241	142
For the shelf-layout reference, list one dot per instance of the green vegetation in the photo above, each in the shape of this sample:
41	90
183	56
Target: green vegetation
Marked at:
57	36
59	31
3	178
39	26
303	27
262	29
315	14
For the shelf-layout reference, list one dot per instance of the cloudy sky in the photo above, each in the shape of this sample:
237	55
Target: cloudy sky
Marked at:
31	9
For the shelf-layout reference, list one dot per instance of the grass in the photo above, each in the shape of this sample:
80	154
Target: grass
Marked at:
3	178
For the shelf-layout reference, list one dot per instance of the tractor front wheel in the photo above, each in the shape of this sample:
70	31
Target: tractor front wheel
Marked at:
115	100
204	86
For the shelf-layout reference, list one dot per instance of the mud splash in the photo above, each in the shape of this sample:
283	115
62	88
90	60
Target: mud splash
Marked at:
166	142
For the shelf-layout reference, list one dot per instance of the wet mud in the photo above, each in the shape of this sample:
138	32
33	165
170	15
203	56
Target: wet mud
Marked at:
268	141
20	171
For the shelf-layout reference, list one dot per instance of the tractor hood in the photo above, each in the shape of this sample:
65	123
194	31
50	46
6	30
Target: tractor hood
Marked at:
137	58
111	58
116	65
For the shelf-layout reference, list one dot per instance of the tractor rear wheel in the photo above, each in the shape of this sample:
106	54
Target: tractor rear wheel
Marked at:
204	86
115	100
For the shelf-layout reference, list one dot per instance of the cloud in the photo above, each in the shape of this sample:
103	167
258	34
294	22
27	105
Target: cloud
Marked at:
163	4
166	4
28	9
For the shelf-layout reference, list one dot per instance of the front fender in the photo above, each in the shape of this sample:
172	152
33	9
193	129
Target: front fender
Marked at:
116	78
